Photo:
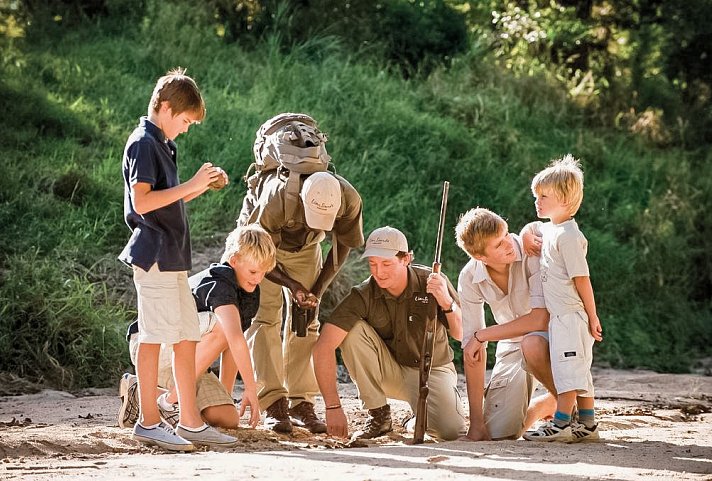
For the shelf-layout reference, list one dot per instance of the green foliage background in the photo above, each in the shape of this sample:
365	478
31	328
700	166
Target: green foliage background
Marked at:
73	87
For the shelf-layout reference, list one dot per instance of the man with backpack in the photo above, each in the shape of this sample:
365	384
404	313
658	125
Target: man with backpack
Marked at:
297	200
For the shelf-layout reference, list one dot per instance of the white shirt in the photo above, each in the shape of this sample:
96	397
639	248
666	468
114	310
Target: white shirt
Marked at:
475	287
563	257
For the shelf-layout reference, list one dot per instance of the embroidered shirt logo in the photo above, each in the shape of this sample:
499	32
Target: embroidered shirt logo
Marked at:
421	299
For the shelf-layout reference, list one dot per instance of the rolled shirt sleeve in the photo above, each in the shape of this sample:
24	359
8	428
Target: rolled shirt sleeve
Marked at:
472	304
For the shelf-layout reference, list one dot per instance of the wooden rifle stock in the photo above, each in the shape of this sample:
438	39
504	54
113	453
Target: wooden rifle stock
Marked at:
426	351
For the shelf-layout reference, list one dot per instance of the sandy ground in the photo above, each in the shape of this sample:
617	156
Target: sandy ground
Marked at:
654	426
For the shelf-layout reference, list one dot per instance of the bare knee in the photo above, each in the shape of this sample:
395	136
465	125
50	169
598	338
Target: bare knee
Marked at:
222	416
535	350
217	337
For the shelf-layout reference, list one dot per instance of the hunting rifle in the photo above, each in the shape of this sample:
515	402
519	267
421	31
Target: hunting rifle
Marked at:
426	351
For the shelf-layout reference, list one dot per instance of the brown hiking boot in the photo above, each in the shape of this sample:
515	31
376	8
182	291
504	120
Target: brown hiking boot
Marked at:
303	415
379	423
277	418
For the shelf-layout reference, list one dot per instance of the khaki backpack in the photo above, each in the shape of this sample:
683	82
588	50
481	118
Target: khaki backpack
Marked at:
288	144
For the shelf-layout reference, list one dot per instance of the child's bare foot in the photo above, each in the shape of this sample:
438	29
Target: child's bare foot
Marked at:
476	435
541	407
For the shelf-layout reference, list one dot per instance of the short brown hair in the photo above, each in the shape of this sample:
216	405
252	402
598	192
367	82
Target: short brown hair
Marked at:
564	178
181	92
475	228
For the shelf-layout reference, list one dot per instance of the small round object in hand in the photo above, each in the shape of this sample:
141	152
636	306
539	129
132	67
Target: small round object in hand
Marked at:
220	182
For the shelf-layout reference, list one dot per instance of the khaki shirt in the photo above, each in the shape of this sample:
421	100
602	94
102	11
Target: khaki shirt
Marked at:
292	235
476	287
400	321
563	257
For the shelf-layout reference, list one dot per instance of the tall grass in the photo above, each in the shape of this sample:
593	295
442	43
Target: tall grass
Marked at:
72	98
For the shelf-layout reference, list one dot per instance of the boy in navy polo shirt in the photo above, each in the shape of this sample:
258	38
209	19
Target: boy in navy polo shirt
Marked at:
159	253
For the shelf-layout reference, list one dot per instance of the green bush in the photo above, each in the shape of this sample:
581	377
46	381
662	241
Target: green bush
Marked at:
415	36
58	325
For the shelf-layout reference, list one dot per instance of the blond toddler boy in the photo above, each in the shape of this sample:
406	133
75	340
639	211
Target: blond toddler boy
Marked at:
574	323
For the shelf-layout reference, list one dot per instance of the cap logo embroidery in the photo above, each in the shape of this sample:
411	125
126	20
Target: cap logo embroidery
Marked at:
321	205
379	241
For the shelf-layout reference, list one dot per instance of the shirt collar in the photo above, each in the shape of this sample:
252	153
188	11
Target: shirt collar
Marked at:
153	129
481	274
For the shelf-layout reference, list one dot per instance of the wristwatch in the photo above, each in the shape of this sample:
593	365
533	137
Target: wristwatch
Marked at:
452	307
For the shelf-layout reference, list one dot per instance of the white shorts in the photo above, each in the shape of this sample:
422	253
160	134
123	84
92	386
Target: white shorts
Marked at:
507	395
571	350
166	308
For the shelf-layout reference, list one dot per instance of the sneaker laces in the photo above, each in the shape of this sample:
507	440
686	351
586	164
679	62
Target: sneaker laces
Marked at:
165	427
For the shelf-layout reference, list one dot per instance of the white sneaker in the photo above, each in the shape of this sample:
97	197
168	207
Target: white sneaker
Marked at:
128	392
170	416
549	431
162	436
581	433
208	436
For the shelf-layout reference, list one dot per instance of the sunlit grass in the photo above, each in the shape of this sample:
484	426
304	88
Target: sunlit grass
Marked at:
74	96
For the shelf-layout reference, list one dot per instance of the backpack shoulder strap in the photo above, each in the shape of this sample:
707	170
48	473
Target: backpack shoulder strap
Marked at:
291	197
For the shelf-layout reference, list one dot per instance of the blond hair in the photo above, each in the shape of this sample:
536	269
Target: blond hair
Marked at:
476	227
252	243
181	92
564	178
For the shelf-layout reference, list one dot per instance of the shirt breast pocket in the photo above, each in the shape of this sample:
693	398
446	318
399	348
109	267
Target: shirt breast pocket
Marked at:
380	320
418	314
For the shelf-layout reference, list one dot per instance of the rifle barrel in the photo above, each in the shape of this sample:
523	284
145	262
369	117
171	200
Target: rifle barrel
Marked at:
441	225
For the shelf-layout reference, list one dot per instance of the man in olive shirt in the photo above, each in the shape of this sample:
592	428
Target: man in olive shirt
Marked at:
379	327
282	361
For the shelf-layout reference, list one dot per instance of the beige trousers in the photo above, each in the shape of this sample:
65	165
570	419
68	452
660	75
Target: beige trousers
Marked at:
282	361
378	376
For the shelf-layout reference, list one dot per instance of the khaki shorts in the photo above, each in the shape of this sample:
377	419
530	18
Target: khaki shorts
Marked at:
206	323
571	350
507	395
209	389
166	309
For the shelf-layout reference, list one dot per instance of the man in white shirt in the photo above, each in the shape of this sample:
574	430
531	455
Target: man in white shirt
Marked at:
500	274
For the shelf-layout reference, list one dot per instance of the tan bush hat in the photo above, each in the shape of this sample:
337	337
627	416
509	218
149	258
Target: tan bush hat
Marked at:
385	242
321	195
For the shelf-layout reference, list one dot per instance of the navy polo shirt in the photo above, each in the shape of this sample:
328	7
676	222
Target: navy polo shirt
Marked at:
217	286
161	236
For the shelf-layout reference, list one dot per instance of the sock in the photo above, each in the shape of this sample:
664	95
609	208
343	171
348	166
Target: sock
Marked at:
152	426
194	430
587	417
163	402
562	419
